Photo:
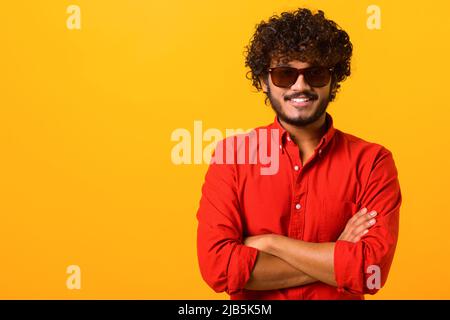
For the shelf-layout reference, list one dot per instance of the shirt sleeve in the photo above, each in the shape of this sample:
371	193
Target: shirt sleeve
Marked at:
225	262
356	264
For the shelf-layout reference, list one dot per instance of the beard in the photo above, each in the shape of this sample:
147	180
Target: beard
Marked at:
299	121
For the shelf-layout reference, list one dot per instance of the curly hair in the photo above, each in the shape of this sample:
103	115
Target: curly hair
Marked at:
299	35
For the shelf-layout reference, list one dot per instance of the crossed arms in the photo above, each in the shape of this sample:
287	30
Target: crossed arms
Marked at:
284	262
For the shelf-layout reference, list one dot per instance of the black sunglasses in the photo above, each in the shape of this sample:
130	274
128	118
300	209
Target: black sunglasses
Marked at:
315	76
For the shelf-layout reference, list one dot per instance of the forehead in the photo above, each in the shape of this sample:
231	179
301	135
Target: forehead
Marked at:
291	63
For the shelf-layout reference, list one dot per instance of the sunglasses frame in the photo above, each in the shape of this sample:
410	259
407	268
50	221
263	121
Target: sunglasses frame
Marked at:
301	71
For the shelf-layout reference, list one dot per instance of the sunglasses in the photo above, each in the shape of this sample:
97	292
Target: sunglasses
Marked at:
285	77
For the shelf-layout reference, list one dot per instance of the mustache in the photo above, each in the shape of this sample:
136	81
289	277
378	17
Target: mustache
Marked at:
309	95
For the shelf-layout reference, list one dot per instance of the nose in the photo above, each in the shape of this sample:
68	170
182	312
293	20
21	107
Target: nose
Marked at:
301	84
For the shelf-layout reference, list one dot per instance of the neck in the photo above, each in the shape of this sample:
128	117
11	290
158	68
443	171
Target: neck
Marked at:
307	136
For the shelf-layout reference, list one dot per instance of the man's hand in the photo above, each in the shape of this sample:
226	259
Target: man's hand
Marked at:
358	225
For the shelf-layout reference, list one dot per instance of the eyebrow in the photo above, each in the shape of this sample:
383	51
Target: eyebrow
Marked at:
288	65
283	65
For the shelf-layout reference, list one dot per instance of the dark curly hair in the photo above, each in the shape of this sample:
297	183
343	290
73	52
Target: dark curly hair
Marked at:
299	35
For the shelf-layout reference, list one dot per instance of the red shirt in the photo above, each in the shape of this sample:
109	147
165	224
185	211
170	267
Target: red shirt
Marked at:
310	202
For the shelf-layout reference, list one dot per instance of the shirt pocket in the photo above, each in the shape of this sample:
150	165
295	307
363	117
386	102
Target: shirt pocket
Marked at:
333	217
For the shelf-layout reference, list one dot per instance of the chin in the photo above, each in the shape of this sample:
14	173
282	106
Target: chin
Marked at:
299	118
294	112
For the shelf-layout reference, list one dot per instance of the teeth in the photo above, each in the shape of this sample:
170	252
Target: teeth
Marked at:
300	99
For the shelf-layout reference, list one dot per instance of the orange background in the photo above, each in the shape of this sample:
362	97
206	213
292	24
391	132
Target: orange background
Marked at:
86	116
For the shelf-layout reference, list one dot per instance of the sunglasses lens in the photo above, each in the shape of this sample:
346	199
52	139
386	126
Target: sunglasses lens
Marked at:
284	76
317	76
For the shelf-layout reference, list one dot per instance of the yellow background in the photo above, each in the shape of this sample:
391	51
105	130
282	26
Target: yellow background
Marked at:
86	116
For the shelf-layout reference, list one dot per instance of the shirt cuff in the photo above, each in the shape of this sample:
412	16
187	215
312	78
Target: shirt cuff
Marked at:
241	265
348	267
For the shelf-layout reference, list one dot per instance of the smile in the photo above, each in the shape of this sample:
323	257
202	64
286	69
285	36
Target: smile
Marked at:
301	102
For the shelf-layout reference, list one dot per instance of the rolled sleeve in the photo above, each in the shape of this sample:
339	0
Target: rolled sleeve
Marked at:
225	262
354	262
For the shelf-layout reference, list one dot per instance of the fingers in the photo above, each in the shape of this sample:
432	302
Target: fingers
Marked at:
357	215
364	222
364	219
359	225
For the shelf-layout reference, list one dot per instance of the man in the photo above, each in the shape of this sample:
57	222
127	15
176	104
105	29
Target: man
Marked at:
325	225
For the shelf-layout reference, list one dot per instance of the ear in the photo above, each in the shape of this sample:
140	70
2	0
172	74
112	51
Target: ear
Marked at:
263	84
333	85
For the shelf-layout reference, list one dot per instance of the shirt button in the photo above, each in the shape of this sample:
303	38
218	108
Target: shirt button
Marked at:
288	138
280	146
298	206
296	168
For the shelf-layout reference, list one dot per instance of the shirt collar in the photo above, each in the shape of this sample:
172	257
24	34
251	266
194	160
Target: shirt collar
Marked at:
326	138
